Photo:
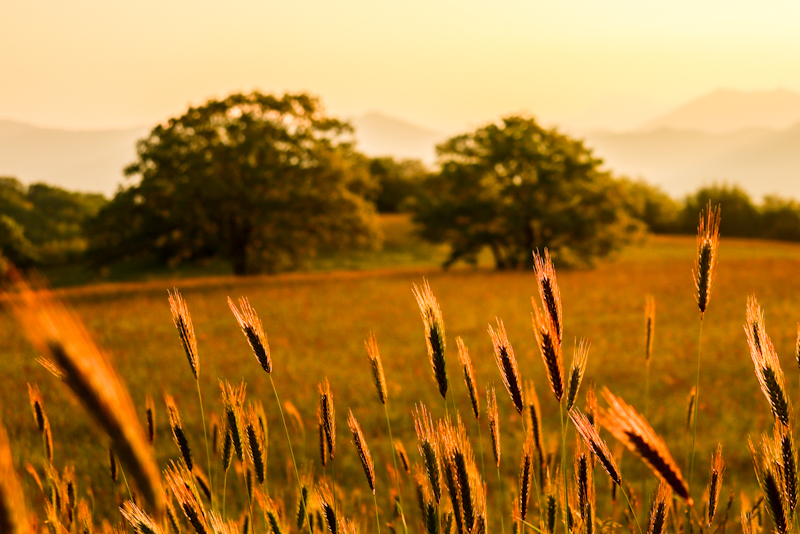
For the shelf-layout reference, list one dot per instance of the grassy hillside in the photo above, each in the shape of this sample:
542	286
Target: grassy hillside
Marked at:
317	324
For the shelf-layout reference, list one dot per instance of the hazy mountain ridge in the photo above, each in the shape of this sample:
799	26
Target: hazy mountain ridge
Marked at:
760	157
88	160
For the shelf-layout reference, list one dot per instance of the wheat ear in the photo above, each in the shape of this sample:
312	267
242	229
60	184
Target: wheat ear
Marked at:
507	363
434	334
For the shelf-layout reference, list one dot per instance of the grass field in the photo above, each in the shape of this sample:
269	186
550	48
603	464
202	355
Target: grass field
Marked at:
317	324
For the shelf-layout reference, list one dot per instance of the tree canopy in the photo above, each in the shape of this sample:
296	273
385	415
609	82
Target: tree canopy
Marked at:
516	187
261	180
42	224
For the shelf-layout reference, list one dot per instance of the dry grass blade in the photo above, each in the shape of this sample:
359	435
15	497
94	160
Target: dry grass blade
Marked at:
328	414
13	515
377	367
633	431
469	376
715	483
766	362
507	363
251	327
649	325
550	348
659	509
61	337
707	250
577	370
690	400
548	290
363	450
139	520
434	333
183	322
596	444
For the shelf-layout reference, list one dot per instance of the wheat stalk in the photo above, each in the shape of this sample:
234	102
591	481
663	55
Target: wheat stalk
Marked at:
707	252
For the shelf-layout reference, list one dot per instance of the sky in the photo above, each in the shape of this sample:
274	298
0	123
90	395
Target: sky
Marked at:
442	64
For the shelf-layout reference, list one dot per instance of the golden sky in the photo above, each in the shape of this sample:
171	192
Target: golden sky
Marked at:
444	64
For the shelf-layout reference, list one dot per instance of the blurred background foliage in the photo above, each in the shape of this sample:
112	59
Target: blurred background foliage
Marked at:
263	183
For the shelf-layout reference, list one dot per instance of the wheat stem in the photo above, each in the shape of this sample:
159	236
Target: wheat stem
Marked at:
205	436
563	463
377	519
291	452
696	402
396	472
500	500
633	512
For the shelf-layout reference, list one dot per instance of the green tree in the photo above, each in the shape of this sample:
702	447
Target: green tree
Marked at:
780	218
740	217
651	205
43	224
398	182
260	180
515	187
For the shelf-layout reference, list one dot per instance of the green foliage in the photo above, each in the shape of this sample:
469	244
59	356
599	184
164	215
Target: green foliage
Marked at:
780	219
260	180
399	183
42	224
515	187
740	217
651	205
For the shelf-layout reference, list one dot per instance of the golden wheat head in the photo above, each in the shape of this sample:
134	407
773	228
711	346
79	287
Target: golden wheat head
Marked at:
649	326
434	333
183	322
363	450
707	251
715	482
377	367
326	410
507	363
251	326
766	362
633	431
469	376
596	444
63	340
548	290
550	348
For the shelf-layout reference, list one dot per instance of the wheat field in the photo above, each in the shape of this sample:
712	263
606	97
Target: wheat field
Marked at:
317	324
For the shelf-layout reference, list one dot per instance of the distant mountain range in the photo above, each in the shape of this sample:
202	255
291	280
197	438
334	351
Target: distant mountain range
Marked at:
90	161
750	139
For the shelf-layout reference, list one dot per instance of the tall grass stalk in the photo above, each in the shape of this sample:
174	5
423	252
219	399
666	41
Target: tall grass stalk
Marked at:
396	472
205	436
696	402
291	451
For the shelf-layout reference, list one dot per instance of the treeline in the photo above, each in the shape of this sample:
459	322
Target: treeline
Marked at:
774	218
264	183
43	225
